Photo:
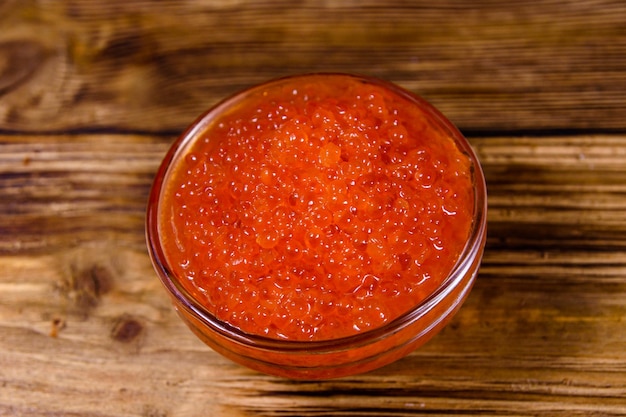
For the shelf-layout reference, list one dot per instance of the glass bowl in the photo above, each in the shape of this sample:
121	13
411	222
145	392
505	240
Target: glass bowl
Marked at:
332	357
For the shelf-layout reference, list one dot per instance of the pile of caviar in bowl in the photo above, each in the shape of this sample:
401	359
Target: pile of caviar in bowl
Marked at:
319	225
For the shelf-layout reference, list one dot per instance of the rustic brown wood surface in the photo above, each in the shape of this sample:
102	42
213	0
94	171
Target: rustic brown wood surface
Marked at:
93	92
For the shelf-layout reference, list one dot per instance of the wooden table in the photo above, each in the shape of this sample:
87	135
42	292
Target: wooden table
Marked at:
93	92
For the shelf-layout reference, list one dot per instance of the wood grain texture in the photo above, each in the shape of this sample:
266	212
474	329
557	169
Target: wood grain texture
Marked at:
145	66
93	92
60	191
87	330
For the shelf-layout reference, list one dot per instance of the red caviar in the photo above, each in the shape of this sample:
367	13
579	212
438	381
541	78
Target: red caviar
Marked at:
317	208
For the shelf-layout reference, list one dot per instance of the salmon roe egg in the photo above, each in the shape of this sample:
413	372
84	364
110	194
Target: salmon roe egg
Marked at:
317	208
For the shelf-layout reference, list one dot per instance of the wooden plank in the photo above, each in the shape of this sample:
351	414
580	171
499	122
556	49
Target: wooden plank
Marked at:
87	330
67	190
548	344
141	66
560	194
548	193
